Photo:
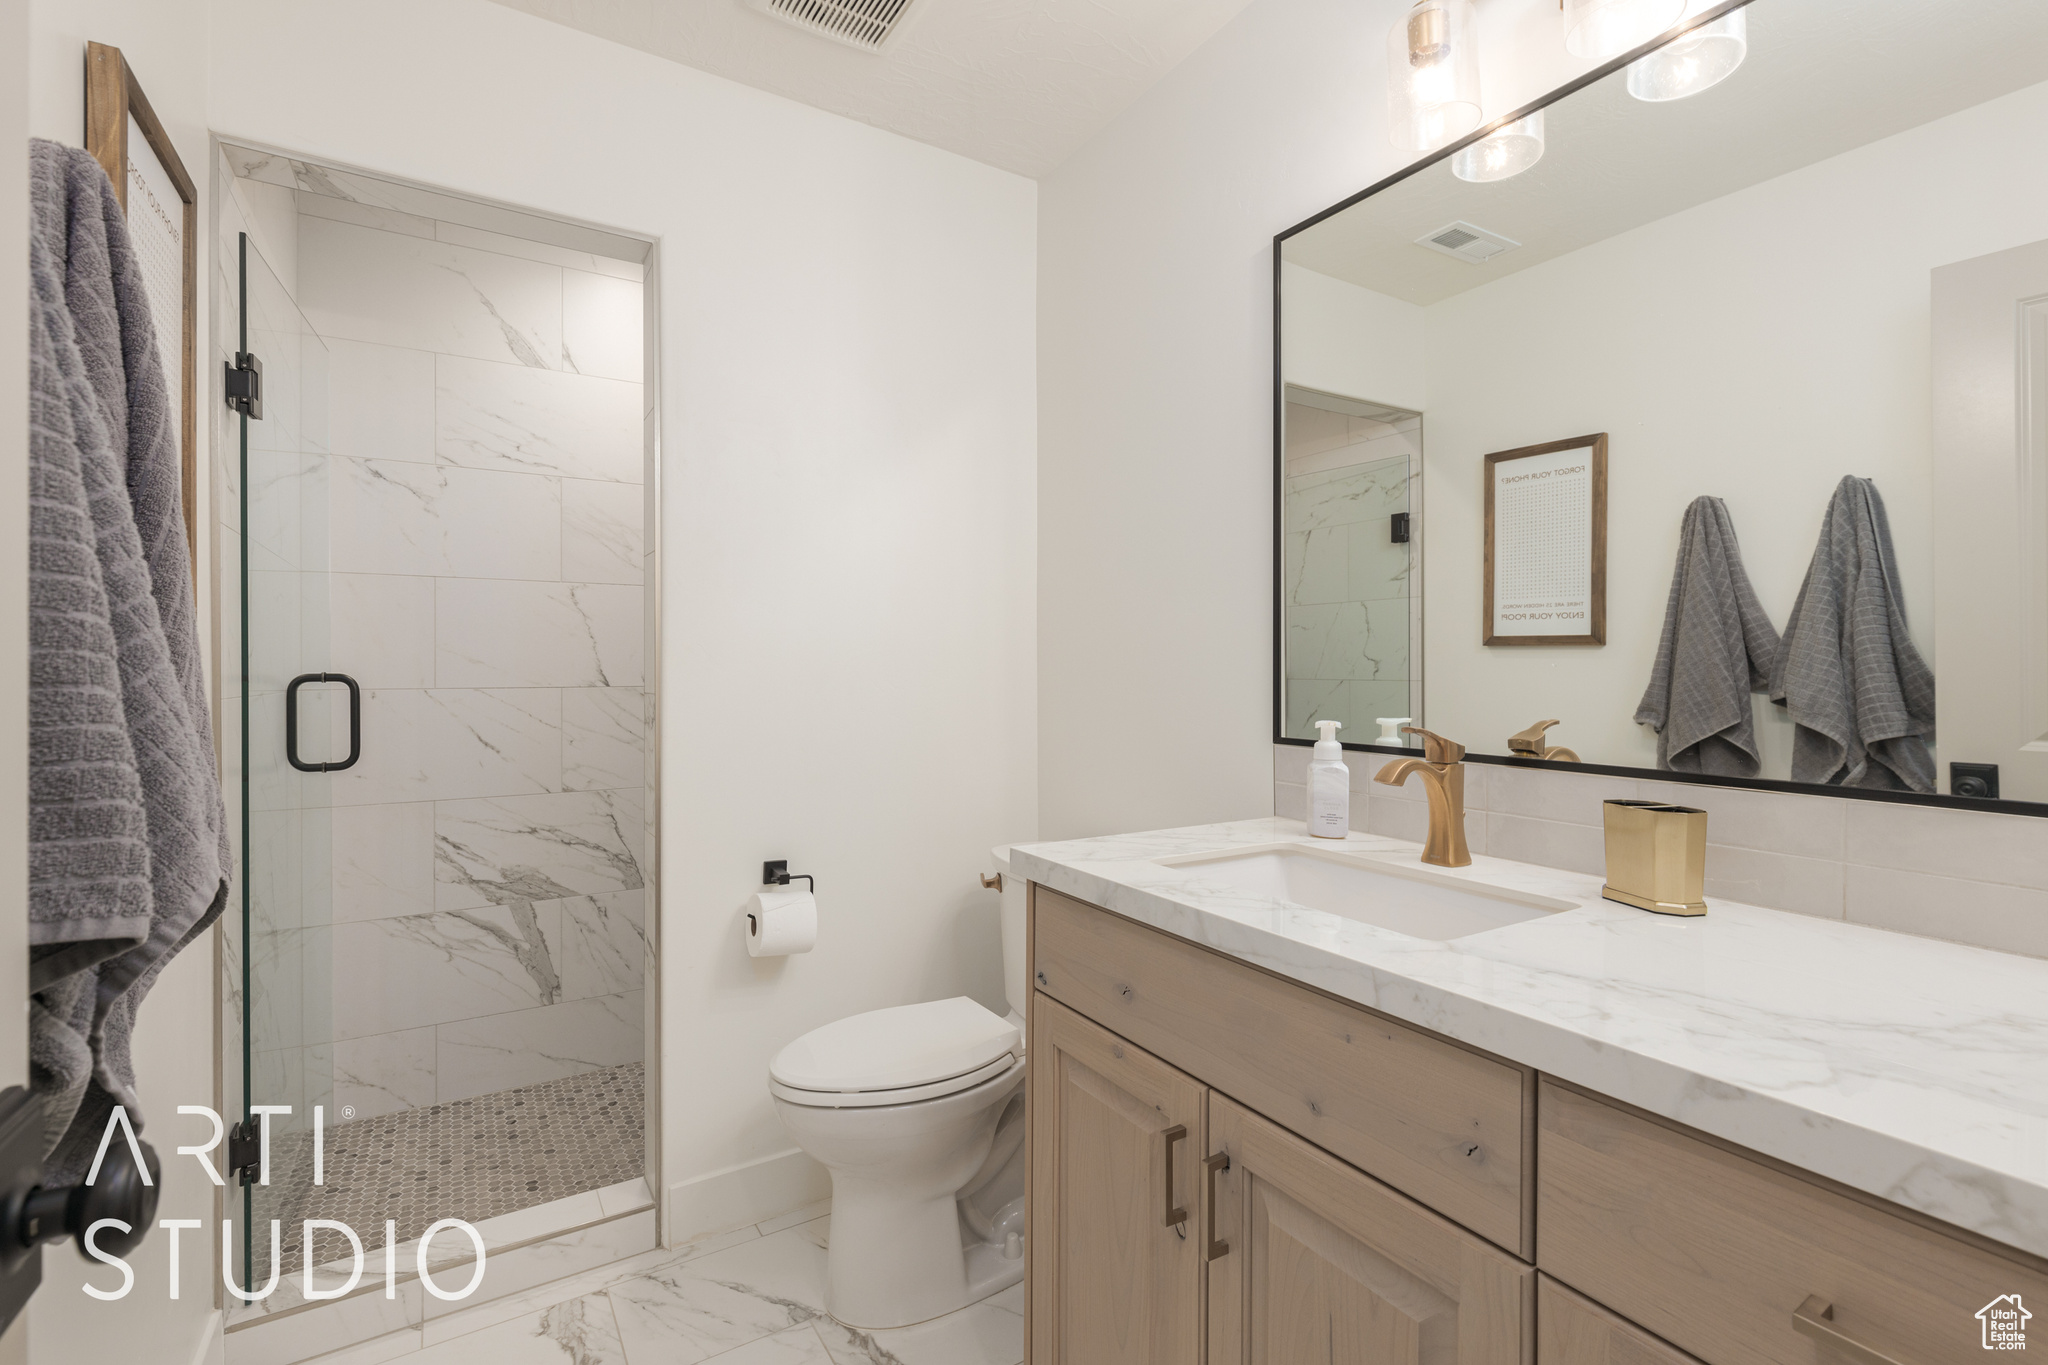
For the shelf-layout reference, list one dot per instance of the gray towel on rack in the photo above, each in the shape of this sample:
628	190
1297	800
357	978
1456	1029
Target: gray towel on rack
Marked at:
1716	649
1847	672
128	841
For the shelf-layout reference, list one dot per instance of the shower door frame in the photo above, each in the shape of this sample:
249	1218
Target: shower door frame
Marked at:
227	1199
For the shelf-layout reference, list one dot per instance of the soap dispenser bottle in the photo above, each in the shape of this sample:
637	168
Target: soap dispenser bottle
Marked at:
1329	786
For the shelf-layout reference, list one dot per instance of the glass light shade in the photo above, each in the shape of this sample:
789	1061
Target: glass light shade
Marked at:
1690	63
1433	75
1601	28
1500	154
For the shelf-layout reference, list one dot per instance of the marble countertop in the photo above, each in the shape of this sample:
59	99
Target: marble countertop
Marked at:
1911	1069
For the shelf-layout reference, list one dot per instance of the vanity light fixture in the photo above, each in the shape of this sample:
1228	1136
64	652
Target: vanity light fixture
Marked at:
1602	28
1693	61
1500	154
1433	75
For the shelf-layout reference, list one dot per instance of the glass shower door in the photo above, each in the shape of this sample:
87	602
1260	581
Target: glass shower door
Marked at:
295	729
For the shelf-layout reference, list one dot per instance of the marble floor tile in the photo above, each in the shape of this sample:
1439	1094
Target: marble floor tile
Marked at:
809	1213
479	1056
979	1334
604	738
578	1332
537	848
601	325
706	1307
398	290
512	418
495	633
756	1302
603	531
798	1346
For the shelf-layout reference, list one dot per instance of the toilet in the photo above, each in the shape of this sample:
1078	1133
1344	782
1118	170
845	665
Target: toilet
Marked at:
918	1113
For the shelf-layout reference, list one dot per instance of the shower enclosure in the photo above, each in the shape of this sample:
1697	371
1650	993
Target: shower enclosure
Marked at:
431	568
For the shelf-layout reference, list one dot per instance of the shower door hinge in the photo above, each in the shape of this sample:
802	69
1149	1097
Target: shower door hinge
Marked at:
245	1152
245	385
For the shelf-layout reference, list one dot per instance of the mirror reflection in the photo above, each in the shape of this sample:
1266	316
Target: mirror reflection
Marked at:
1800	310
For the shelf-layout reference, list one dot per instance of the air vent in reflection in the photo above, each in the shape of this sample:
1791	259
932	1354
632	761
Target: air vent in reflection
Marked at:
865	24
1467	242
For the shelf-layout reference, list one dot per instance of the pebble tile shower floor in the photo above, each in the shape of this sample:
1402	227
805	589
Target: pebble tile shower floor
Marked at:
470	1159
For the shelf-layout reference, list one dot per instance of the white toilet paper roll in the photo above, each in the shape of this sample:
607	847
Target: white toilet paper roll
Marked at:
781	921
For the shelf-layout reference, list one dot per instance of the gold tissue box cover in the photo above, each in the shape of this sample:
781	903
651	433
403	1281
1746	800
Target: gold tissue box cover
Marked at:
1656	856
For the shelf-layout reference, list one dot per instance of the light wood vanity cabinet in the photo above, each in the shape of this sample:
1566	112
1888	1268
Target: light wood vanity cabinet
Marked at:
1115	1138
1390	1197
1326	1264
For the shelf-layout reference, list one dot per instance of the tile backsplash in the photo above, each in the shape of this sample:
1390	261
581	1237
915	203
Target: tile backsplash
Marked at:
1974	877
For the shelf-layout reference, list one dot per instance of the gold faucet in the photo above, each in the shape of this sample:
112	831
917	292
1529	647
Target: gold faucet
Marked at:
1442	766
1531	744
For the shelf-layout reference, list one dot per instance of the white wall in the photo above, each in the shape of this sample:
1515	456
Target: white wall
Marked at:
165	43
1725	355
1156	401
1345	339
848	428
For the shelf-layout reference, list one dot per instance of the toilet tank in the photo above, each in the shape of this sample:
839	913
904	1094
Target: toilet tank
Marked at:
1015	988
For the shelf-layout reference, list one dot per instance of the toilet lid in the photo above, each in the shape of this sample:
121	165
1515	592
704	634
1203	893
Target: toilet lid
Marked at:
892	1049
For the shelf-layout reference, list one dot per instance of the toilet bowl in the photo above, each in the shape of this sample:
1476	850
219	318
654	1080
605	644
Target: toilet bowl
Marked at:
918	1113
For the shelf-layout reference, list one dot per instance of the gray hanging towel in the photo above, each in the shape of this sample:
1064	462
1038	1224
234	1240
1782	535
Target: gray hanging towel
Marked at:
1716	649
128	841
1847	672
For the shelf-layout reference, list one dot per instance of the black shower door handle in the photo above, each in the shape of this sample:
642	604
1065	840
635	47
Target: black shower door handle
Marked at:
291	722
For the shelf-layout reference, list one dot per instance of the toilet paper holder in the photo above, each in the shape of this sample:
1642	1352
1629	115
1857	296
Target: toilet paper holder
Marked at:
777	873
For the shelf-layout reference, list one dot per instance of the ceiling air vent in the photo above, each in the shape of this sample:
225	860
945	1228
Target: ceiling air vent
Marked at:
1466	242
865	24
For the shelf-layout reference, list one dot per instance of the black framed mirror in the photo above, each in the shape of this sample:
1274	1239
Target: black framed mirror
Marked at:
1802	312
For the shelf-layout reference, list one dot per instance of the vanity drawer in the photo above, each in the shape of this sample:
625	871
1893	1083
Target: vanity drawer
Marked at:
1445	1125
1717	1252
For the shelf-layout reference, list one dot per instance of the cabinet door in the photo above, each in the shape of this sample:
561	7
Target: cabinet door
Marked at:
1574	1330
1315	1262
1116	1141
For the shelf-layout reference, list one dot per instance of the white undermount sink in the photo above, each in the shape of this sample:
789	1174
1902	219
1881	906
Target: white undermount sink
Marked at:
1406	899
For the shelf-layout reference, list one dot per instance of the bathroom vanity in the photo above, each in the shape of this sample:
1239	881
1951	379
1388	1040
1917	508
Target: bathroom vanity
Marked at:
1273	1121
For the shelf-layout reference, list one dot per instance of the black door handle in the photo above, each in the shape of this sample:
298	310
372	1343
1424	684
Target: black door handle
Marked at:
291	722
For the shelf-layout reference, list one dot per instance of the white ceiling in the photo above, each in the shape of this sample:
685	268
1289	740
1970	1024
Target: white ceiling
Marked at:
1018	84
1822	77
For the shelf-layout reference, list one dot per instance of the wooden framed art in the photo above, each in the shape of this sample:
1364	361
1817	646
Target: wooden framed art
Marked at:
1545	569
162	207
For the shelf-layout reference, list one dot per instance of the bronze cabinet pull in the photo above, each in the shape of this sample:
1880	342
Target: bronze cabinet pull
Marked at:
1816	1318
1210	1165
1174	1216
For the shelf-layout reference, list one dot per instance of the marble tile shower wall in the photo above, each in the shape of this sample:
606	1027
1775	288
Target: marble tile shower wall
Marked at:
1347	587
469	910
1974	877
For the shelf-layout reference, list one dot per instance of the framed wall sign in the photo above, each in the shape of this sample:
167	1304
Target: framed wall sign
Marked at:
162	207
1545	572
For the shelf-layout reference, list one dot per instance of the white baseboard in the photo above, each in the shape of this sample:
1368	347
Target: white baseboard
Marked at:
751	1192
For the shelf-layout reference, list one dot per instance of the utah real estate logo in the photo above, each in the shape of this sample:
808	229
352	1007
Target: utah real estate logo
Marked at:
2005	1323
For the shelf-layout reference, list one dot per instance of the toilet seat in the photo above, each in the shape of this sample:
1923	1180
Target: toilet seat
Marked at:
896	1056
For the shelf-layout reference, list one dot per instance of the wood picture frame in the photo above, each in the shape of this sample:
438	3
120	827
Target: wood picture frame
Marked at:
1596	500
112	98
